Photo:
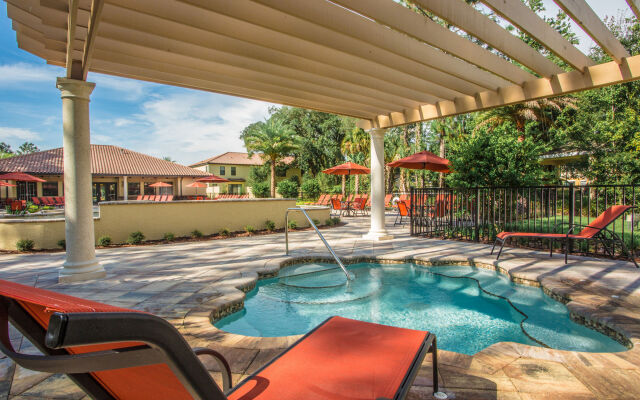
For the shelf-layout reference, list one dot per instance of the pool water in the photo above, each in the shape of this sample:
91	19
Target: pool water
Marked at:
444	300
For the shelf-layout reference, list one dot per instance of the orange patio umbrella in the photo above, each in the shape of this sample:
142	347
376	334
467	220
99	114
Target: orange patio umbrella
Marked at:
348	168
212	179
423	160
197	185
20	176
7	184
160	184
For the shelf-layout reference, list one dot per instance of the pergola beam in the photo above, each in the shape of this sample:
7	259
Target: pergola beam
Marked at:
593	26
635	7
471	21
73	66
569	82
96	9
410	23
516	12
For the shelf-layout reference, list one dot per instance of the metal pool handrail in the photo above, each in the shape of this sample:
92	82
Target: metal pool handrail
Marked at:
286	238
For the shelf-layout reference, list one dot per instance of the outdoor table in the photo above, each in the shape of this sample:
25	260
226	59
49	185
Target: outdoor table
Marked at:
348	211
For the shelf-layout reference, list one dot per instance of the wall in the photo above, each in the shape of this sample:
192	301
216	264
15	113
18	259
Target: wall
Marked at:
119	219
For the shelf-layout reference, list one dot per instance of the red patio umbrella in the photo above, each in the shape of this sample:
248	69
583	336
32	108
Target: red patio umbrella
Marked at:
20	176
423	160
6	184
160	185
348	169
212	179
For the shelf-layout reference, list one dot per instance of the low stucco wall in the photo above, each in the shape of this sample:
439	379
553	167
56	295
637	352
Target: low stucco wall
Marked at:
119	219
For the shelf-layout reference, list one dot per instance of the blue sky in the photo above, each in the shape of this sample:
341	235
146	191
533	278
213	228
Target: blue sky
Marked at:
185	124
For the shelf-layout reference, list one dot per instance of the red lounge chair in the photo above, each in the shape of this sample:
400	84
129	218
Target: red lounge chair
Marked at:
387	200
336	205
163	198
145	197
36	201
59	201
320	200
16	205
327	200
169	197
116	353
158	198
596	230
47	201
359	204
403	211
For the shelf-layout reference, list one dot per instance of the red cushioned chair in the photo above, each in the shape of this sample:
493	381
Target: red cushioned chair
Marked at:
116	353
403	211
336	205
596	230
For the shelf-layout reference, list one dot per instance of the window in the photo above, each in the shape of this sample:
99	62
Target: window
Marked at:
133	188
50	189
26	190
147	189
233	171
221	170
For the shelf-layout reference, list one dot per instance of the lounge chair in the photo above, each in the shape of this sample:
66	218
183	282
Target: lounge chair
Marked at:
320	200
163	197
169	197
359	204
139	197
336	205
596	230
158	198
36	201
387	200
116	353
403	211
59	201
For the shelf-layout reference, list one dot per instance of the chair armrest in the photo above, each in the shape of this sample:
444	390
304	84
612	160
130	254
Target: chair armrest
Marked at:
222	362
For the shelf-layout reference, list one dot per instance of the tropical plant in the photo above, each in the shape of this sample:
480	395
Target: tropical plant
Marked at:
249	229
196	234
288	189
25	245
136	237
225	232
311	188
169	236
293	224
269	225
104	240
62	244
273	140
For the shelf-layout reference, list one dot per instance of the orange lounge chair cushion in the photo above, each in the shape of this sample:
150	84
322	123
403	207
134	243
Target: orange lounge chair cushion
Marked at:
153	382
506	235
342	359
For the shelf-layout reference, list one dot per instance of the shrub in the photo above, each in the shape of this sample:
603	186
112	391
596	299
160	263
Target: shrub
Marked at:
311	188
25	245
62	244
261	190
224	232
288	189
104	240
293	224
169	236
135	237
316	222
270	225
328	222
336	220
196	233
249	229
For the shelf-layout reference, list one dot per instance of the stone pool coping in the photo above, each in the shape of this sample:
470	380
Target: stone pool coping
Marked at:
585	306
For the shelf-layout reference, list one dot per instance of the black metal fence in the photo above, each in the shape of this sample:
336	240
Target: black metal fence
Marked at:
479	214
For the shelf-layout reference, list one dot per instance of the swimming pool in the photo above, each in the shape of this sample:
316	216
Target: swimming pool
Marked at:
458	304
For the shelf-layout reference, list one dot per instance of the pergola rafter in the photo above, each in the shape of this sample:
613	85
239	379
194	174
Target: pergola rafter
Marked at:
371	59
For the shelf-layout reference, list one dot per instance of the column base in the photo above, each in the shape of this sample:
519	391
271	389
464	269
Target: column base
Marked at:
76	272
377	236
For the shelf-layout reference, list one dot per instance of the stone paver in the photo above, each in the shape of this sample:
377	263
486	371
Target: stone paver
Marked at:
189	284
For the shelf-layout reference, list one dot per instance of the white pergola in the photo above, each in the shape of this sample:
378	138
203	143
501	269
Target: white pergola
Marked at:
371	59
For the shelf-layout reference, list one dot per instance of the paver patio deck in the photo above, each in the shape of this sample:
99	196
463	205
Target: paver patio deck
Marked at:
188	282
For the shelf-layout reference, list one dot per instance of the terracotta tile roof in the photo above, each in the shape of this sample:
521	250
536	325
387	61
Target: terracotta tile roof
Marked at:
237	158
105	161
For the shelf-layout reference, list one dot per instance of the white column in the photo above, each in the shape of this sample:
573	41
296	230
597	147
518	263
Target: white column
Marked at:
377	230
81	263
125	185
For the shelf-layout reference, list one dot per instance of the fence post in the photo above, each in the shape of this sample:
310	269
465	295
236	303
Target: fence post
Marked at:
572	208
476	217
412	199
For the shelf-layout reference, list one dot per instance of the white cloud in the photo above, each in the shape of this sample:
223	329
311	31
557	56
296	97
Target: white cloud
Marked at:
8	134
194	126
20	73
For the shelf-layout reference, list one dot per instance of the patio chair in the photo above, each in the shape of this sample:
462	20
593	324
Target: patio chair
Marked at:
169	197
139	197
116	353
36	201
146	197
387	200
403	211
360	204
320	200
158	198
59	201
16	205
595	230
336	205
327	200
46	201
163	197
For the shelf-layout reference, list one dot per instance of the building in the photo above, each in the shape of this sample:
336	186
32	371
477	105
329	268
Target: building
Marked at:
235	167
563	163
115	171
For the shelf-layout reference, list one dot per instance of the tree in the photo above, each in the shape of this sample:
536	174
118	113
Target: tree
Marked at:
168	158
5	150
356	147
273	139
27	147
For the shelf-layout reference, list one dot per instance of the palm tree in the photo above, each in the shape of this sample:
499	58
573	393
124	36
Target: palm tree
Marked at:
273	140
356	147
520	114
